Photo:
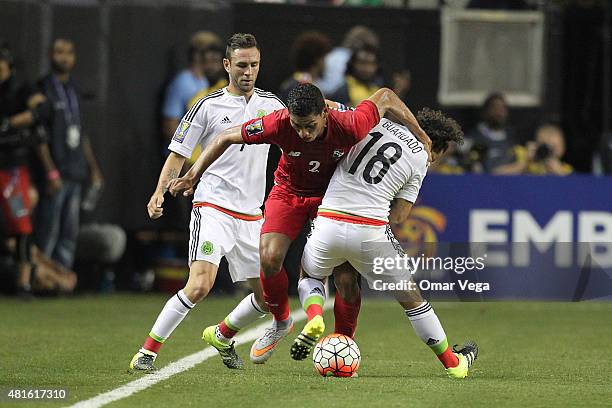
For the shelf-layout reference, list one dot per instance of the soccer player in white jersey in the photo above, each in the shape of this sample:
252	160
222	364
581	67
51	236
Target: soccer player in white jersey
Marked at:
353	225
226	217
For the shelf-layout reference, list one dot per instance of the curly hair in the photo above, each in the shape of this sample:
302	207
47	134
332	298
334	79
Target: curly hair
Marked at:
305	100
441	129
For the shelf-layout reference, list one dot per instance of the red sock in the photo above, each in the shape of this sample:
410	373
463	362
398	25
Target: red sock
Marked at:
152	345
226	331
275	294
314	310
448	358
345	315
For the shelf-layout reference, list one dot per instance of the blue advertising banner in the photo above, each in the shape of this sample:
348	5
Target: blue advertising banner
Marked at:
519	237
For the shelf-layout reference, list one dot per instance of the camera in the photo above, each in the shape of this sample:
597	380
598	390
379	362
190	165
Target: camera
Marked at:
543	152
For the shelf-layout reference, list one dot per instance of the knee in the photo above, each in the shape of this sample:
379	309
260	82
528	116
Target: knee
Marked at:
198	286
271	260
196	293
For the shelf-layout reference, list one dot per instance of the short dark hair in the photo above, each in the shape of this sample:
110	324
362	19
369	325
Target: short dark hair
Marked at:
240	40
492	97
308	48
305	100
62	39
441	129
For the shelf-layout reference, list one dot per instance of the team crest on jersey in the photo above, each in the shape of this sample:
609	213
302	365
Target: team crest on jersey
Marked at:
337	154
255	128
207	248
181	131
261	112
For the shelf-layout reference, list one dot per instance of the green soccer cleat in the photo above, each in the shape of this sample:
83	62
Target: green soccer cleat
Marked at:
466	355
143	361
306	340
226	351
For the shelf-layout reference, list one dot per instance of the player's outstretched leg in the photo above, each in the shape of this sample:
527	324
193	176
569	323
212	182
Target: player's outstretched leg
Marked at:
312	297
428	327
173	313
221	335
202	276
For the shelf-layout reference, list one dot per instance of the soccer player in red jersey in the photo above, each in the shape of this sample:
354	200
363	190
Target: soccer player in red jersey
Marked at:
313	139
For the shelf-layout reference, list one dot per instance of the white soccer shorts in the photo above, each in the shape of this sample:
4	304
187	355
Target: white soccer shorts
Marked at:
334	242
214	234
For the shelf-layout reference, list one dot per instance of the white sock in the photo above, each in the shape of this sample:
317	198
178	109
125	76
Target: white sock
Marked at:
311	291
428	327
244	314
173	313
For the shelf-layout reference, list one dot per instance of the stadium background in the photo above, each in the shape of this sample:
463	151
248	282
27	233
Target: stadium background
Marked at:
123	66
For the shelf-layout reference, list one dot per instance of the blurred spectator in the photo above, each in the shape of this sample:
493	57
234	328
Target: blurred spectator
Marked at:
539	157
489	142
20	109
213	71
308	54
362	78
215	74
57	216
48	277
337	60
187	82
100	247
401	84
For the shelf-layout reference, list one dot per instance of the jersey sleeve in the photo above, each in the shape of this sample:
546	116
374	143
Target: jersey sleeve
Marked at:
360	121
410	190
261	130
190	131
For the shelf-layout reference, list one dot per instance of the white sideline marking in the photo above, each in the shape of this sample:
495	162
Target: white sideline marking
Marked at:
177	367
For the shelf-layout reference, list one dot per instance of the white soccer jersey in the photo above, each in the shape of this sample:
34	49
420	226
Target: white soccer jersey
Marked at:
389	163
237	180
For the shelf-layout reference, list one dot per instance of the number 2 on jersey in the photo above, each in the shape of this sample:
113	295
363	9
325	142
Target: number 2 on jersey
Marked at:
379	157
315	166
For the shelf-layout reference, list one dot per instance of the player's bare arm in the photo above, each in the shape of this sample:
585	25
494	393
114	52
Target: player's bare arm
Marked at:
400	210
389	103
171	170
213	151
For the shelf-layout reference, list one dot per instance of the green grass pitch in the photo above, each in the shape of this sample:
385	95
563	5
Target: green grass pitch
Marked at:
532	355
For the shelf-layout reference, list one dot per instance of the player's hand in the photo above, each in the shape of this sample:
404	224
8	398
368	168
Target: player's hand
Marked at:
154	207
183	184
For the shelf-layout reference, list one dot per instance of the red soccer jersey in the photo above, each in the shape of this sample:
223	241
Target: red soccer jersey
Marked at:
305	168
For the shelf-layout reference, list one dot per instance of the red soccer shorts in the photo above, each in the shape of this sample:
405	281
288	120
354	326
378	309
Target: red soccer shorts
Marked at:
286	213
15	200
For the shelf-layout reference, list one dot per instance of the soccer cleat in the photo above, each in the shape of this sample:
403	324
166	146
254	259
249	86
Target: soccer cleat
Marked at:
466	355
226	351
143	361
264	346
306	340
